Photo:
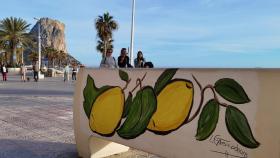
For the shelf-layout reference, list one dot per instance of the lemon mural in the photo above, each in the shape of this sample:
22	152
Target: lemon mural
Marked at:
177	112
106	111
165	107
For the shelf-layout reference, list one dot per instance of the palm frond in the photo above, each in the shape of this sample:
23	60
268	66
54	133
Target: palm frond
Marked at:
13	33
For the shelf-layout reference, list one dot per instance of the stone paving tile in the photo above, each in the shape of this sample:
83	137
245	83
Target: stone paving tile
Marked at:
36	129
132	153
40	125
38	116
9	131
36	149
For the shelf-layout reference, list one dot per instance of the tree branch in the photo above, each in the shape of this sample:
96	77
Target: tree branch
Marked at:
202	99
138	83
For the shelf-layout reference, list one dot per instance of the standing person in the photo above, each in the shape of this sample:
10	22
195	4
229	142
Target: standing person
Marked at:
74	73
4	71
108	61
139	61
36	71
23	71
123	59
66	73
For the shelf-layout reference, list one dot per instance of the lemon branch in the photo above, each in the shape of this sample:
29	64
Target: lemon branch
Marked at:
211	87
138	83
126	85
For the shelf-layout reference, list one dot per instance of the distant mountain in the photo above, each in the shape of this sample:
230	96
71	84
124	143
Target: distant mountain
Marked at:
52	35
73	60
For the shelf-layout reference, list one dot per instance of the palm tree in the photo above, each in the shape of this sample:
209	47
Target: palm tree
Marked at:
5	51
101	45
13	33
1	53
105	25
50	54
61	56
33	56
2	46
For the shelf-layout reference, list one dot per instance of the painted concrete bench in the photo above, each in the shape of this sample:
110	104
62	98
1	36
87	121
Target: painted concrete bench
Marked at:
178	113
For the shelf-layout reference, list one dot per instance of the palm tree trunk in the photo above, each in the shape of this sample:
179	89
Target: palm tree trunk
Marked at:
14	56
105	49
22	58
6	57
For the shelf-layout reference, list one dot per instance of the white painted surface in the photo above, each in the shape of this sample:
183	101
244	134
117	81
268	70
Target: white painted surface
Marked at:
262	86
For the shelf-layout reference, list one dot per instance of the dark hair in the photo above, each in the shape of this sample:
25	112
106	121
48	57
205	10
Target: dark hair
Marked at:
149	64
139	52
123	49
109	50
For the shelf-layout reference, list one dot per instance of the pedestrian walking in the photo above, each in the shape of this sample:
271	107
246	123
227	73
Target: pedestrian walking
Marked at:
36	71
23	71
108	61
66	73
4	71
74	73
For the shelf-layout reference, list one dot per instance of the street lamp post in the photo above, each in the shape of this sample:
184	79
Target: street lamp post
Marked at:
2	56
22	60
132	34
39	47
21	50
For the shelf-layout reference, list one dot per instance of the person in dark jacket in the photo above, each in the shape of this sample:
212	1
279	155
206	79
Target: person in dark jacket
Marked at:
74	72
123	59
4	71
36	71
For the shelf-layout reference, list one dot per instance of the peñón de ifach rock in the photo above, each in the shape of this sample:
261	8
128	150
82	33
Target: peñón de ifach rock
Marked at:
52	33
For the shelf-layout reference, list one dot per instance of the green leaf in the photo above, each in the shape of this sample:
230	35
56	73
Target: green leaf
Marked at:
208	120
232	91
142	109
91	92
123	75
127	105
239	128
163	79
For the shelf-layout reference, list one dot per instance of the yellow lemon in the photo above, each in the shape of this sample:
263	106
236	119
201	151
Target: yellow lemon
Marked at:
174	104
106	111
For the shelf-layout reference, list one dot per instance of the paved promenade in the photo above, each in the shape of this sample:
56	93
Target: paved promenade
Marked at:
36	120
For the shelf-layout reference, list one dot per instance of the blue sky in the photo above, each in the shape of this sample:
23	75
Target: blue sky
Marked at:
180	33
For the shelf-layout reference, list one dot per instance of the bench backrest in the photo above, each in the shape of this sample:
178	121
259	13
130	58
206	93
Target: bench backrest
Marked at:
181	112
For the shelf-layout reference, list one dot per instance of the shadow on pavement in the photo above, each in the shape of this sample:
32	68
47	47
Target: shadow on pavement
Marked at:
32	92
36	149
